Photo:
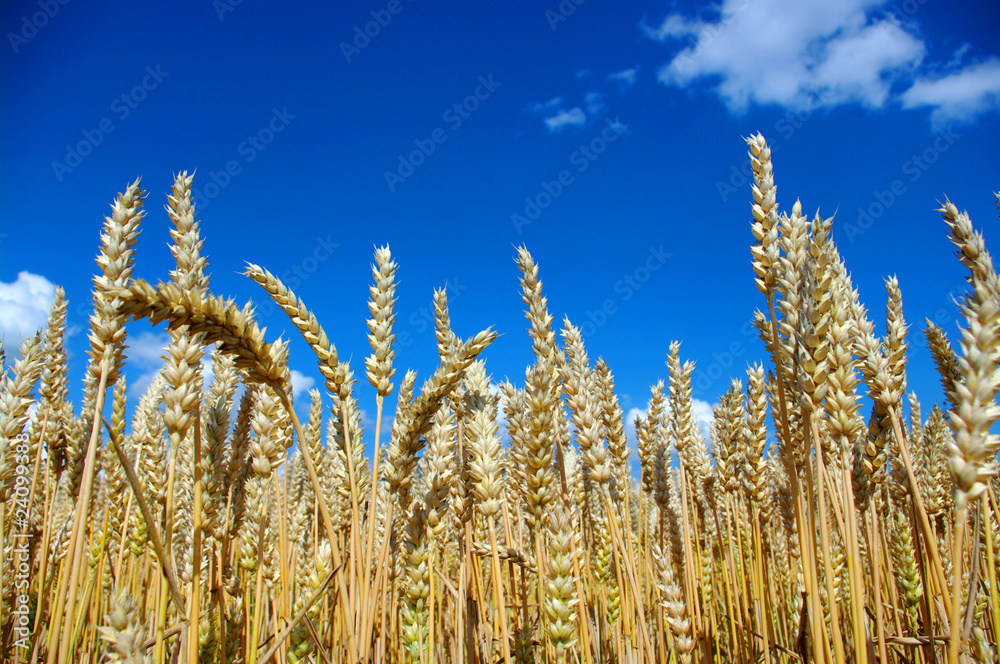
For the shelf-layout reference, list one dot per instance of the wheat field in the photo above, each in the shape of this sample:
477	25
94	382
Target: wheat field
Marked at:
502	525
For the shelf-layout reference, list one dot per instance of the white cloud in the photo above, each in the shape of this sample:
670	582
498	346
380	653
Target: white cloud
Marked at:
956	58
541	108
703	414
555	116
574	117
790	53
594	101
582	73
301	383
625	78
959	96
702	411
674	25
24	308
207	371
630	423
631	438
860	67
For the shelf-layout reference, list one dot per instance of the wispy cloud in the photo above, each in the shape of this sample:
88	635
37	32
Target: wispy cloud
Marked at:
574	117
144	353
674	25
625	78
541	108
557	117
959	96
594	102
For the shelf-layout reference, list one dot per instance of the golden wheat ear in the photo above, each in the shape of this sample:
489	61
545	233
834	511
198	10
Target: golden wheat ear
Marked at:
380	336
219	322
790	531
333	372
15	399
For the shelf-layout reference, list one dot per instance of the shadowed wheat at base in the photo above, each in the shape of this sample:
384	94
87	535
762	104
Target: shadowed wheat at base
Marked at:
830	535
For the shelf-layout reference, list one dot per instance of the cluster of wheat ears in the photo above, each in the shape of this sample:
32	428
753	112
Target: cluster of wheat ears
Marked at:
218	531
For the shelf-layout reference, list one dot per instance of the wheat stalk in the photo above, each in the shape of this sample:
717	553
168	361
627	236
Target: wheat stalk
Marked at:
789	531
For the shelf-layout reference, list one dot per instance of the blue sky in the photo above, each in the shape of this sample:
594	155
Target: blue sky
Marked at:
606	137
